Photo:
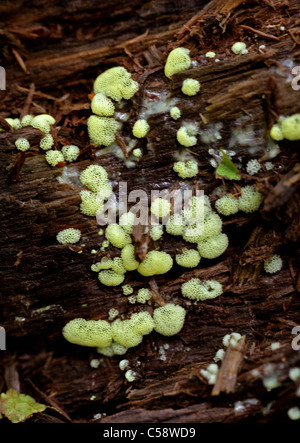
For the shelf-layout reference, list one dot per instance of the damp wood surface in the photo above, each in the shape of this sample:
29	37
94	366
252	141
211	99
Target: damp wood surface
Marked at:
52	56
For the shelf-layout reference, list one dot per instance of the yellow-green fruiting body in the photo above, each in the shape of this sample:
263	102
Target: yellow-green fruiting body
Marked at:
210	373
175	113
290	127
250	199
113	349
46	142
253	167
69	235
102	105
294	413
140	128
116	83
193	233
142	322
118	266
143	295
156	232
117	236
128	257
132	299
227	205
112	314
276	133
92	333
178	61
43	122
102	130
186	135
169	319
110	278
212	227
22	144
17	123
10	121
105	244
127	289
26	120
210	54
123	332
195	289
123	364
107	351
213	247
54	157
155	263
105	263
94	177
200	207
189	258
70	153
90	203
186	169
160	207
190	87
239	48
118	349
137	152
127	222
175	225
273	264
130	375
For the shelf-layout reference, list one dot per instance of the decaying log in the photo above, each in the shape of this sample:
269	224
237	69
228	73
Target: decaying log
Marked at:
52	56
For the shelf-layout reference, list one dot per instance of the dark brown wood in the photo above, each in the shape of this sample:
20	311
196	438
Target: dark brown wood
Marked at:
52	56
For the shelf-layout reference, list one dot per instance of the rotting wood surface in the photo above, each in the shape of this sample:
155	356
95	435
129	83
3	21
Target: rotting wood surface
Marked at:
52	55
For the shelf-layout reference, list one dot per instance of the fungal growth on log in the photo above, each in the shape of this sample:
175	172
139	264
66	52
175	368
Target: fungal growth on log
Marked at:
150	212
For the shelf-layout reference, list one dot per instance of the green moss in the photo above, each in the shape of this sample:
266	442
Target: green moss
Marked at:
227	169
